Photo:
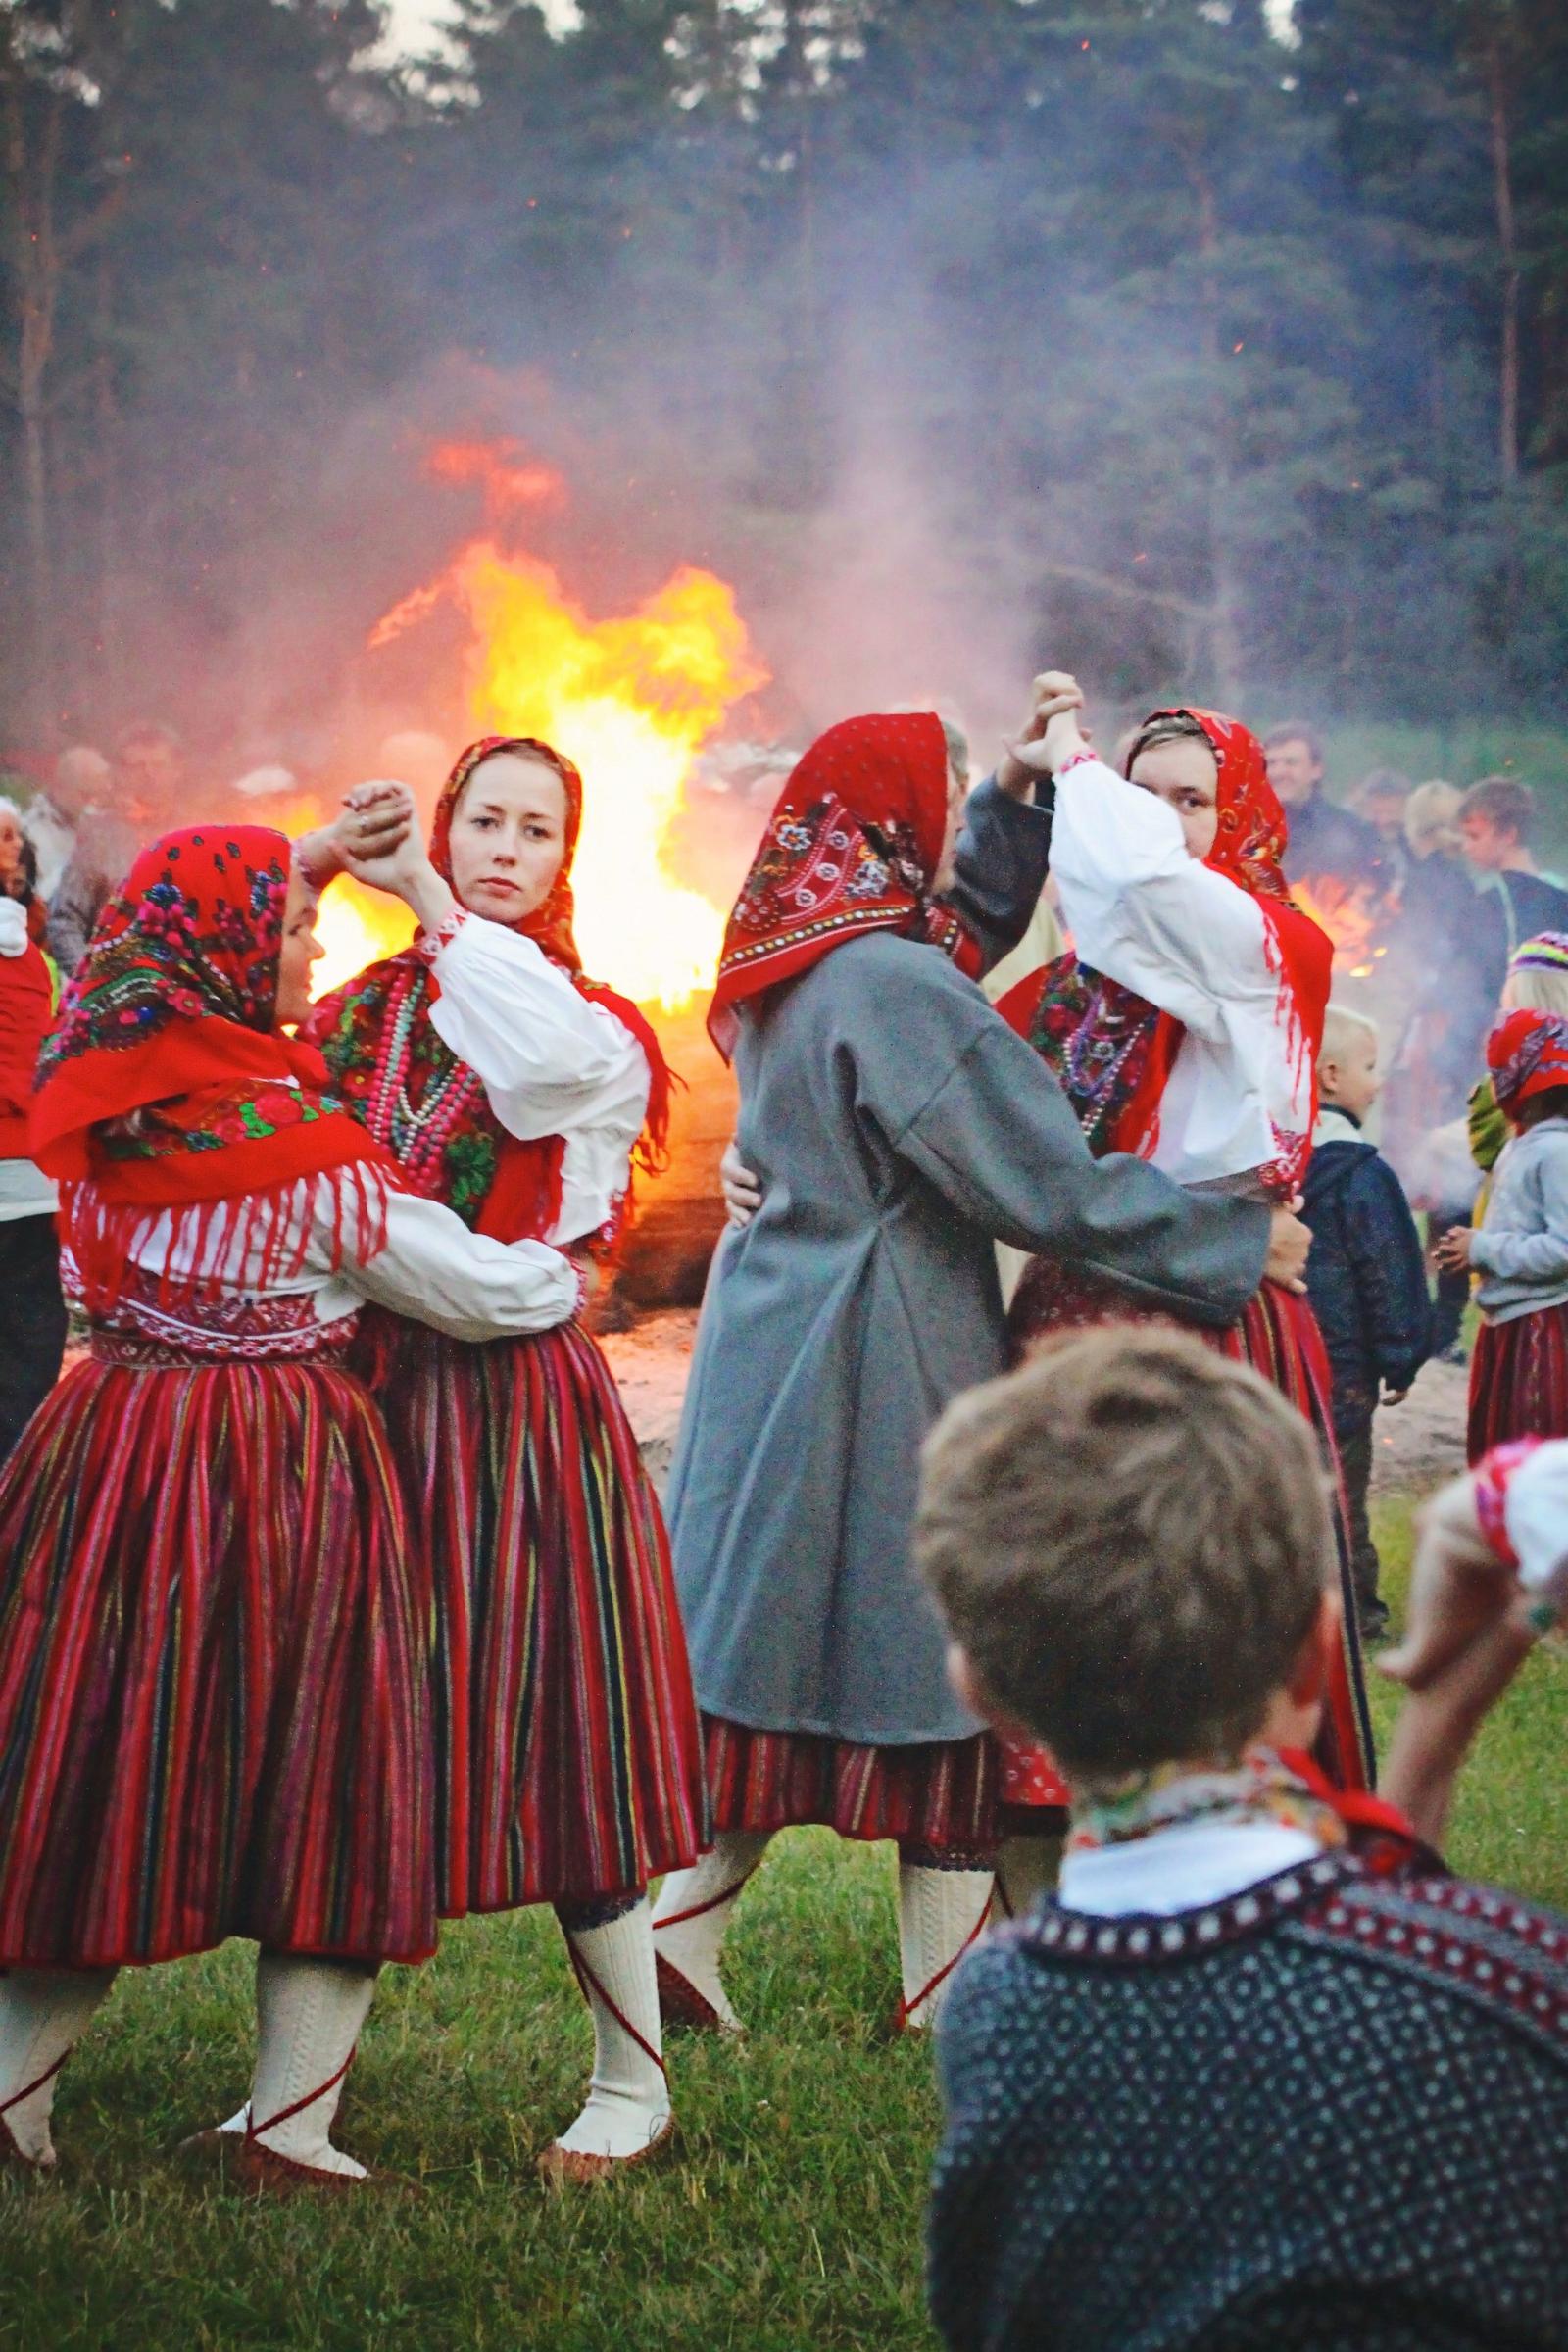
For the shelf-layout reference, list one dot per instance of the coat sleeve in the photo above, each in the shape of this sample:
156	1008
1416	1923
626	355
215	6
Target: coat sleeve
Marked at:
1390	1273
975	1111
1531	1256
1002	859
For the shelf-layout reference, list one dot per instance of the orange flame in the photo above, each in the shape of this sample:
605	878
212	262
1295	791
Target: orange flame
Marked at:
630	700
1348	913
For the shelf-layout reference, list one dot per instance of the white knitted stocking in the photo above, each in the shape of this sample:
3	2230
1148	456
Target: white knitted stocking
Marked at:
43	2012
941	1914
308	2016
690	1921
629	2098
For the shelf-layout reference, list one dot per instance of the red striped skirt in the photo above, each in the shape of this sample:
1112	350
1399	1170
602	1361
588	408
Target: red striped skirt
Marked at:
941	1795
1519	1381
213	1685
1277	1333
568	1759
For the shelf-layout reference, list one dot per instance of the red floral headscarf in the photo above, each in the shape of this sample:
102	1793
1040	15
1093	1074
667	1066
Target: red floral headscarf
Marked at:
381	1046
549	925
164	1081
1526	1053
1113	1051
852	846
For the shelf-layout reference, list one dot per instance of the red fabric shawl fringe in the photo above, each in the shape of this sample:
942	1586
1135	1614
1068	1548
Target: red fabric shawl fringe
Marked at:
852	846
165	1089
1065	1008
524	1201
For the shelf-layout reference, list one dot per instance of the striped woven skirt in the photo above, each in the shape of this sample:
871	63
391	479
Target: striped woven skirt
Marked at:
939	1797
212	1686
1519	1381
1277	1333
568	1760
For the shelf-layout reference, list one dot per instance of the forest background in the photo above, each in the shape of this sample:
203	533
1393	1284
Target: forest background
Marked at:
1216	347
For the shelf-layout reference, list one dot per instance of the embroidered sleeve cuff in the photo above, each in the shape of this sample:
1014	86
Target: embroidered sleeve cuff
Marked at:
429	944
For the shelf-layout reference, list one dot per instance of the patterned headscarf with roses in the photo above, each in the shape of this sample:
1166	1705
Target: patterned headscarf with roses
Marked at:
165	1083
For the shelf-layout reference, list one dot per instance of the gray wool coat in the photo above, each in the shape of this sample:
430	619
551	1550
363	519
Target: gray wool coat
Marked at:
900	1129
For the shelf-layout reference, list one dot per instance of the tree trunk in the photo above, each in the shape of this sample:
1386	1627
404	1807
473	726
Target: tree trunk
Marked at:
1508	254
30	173
106	409
1225	629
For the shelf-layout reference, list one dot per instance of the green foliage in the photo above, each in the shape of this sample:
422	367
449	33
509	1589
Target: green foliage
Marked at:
1238	364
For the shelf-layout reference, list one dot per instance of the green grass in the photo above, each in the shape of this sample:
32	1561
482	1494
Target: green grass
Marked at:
789	2218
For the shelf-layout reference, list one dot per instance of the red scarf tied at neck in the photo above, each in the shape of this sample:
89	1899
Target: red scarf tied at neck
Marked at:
1113	1051
852	846
166	1085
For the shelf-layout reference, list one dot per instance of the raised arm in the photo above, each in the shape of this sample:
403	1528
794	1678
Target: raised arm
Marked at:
434	1270
1145	912
1002	857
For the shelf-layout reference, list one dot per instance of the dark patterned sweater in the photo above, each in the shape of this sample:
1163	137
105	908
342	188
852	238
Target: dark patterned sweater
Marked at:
1329	2113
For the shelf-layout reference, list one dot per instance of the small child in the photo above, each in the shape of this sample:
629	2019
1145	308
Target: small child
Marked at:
1260	2076
1519	1372
1366	1278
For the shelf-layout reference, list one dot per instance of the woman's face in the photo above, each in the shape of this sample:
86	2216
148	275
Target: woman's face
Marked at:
958	794
1182	772
9	845
509	837
301	949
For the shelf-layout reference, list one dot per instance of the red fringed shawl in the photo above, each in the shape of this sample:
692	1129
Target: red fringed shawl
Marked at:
429	1107
166	1087
852	846
1113	1051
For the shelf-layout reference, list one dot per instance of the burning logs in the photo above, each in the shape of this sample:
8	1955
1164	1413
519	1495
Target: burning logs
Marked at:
680	1214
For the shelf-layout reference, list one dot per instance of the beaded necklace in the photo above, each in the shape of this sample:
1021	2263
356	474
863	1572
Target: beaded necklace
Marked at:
419	1135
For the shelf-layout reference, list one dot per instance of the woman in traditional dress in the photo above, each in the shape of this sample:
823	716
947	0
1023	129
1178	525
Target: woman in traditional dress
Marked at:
1185	1027
569	1768
897	1129
212	1662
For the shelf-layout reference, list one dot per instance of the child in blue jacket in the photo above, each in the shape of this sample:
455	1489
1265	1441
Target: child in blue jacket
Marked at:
1366	1276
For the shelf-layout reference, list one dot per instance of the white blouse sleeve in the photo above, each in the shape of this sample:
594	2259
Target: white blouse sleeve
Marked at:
433	1270
1145	912
551	1061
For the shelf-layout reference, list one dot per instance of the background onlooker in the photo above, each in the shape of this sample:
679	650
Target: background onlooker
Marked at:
1497	824
144	793
1519	1372
1381	798
32	1311
1366	1277
1326	841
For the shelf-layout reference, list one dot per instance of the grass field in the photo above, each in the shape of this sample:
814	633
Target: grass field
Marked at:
790	2219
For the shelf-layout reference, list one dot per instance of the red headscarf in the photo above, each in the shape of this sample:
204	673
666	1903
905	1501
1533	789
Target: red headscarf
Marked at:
852	846
504	1187
166	1081
1112	1049
1526	1053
